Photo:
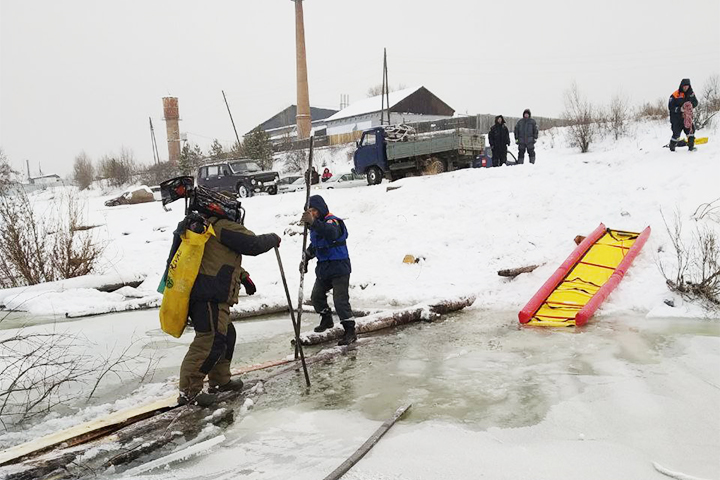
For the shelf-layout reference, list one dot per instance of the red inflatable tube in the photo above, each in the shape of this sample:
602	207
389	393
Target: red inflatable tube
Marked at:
551	284
589	309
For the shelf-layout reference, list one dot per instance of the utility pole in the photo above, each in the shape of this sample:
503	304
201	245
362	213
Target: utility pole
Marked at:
156	155
385	92
303	120
231	119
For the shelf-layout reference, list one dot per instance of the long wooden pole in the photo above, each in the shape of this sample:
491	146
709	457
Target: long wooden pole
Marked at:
296	326
365	447
301	290
231	119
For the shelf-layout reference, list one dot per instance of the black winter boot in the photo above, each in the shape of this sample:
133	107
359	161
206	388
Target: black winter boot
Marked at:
691	143
326	321
350	336
672	145
202	399
234	385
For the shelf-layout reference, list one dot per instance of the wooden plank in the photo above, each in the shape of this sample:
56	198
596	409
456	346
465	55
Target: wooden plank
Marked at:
96	428
369	443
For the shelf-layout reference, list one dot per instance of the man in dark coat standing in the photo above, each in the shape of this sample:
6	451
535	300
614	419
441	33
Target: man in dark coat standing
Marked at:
526	132
499	138
328	236
684	94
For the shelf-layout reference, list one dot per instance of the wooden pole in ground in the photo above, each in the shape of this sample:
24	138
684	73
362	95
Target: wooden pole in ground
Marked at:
301	290
365	448
296	326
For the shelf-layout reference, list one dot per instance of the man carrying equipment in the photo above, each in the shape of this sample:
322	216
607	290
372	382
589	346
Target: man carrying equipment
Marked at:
215	290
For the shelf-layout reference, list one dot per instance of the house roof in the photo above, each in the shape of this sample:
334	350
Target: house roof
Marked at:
398	97
287	117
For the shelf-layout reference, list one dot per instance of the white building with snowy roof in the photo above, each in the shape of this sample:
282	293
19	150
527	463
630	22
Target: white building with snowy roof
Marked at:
415	104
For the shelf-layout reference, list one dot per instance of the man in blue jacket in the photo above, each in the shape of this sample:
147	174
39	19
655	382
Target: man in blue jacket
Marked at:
328	235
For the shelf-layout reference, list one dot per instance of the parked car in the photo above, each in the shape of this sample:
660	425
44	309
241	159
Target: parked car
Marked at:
284	183
243	176
344	180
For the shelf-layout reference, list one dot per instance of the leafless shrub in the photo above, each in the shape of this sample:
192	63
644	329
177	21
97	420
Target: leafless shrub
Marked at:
117	170
710	211
657	110
579	113
83	171
43	246
36	369
617	116
41	371
708	103
696	272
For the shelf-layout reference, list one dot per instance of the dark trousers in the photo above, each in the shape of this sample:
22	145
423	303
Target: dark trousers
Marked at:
521	152
678	126
341	296
499	155
212	349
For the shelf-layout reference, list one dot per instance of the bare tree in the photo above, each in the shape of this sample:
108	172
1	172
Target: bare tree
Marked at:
295	160
579	113
617	116
708	103
377	89
83	171
117	170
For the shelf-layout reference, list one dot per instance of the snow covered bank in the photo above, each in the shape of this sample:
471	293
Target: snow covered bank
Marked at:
466	225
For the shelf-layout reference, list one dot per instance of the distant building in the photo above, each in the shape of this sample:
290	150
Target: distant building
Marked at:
283	124
51	179
409	105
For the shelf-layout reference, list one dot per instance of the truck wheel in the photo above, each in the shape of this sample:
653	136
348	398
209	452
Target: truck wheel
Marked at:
243	191
434	167
374	176
272	190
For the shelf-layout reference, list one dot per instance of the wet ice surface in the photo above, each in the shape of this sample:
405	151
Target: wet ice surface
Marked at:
489	399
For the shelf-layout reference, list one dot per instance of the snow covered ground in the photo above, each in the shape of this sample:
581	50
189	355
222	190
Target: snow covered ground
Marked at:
490	399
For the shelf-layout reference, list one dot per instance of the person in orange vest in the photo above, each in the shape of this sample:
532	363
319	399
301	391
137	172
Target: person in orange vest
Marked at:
681	115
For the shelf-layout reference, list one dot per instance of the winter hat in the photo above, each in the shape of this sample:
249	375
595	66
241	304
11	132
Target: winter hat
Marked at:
527	110
317	202
501	118
683	82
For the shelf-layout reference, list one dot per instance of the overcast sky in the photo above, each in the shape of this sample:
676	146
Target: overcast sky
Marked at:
86	74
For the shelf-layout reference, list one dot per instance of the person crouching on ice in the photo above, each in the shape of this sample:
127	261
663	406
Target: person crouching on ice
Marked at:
327	243
215	290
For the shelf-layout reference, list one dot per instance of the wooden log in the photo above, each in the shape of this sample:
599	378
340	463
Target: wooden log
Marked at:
142	437
389	319
514	272
369	443
177	425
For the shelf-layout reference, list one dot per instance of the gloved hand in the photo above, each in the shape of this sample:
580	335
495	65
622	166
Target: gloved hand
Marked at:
303	266
250	287
307	217
277	238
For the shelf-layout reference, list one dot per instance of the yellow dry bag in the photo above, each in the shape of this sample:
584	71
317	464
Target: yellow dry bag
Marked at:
180	279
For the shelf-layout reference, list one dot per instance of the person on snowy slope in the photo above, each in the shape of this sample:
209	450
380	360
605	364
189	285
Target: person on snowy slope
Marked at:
215	290
526	132
327	243
679	113
499	138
